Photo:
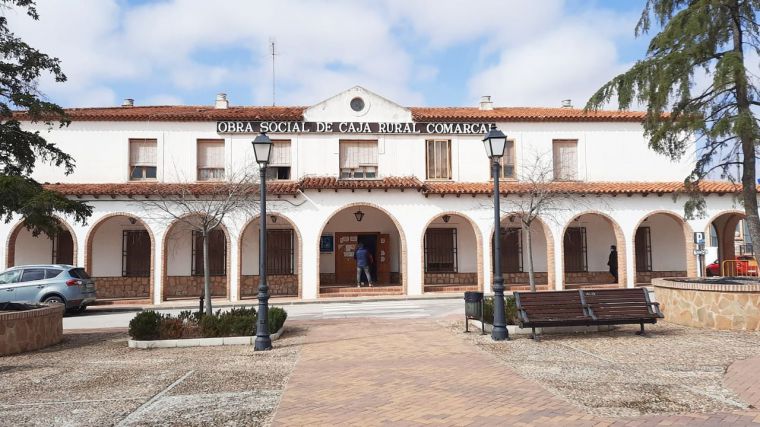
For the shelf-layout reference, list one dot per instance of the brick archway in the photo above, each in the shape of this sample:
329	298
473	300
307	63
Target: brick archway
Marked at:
402	238
10	245
550	262
728	219
298	256
188	283
479	279
691	263
621	253
120	287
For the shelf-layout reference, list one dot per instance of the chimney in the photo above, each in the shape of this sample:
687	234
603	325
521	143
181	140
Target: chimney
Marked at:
567	103
485	103
221	101
128	102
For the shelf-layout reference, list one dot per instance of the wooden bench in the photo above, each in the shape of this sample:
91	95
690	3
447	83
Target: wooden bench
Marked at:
622	306
586	308
553	308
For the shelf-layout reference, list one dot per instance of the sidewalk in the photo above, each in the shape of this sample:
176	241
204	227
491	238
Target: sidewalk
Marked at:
417	372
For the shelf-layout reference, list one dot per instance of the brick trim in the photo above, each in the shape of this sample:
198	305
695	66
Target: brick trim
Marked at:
478	247
548	236
10	245
691	262
619	243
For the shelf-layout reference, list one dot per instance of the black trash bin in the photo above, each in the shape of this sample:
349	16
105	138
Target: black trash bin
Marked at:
473	309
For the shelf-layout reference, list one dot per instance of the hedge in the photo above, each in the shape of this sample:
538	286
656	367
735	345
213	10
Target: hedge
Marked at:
510	310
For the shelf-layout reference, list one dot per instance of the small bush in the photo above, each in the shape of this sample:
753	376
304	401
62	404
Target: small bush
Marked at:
277	318
510	310
170	328
235	322
145	326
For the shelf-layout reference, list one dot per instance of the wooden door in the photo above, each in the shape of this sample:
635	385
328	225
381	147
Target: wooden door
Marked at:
383	258
345	265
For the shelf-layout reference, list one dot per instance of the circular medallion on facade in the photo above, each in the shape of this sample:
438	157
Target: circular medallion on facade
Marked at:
357	104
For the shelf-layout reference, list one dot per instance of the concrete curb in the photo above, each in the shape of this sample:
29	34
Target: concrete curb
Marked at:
199	342
516	330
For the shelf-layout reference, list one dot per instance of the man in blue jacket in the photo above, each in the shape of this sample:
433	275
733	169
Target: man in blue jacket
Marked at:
363	260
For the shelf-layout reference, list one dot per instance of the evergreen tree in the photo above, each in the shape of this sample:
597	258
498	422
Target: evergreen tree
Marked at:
698	81
20	67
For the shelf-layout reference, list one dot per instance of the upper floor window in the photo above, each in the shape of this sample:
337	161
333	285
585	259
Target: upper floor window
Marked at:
279	160
142	159
210	159
565	159
438	155
358	159
507	161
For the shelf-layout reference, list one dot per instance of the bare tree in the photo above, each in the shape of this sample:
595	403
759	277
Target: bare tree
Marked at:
202	207
538	197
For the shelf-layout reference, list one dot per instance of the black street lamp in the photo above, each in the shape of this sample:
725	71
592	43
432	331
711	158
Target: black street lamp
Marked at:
262	148
495	141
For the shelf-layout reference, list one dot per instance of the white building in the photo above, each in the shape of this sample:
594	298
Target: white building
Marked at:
411	183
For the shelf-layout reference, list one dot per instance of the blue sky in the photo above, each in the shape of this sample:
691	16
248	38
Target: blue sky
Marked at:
415	52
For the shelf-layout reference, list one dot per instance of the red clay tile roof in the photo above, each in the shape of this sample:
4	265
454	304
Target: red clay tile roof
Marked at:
389	183
333	183
522	114
149	188
189	113
181	113
507	187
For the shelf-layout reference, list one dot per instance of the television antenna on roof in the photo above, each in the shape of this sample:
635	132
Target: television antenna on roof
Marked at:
273	52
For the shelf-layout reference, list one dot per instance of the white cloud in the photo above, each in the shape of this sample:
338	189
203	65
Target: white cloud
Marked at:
541	54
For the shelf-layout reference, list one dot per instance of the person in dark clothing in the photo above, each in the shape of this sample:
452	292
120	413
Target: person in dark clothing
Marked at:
612	262
363	260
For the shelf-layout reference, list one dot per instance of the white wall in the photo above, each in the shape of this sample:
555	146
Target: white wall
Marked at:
599	237
668	245
179	250
538	240
33	250
107	246
250	244
467	255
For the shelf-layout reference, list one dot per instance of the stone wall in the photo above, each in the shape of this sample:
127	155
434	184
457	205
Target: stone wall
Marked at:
451	278
22	331
279	285
589	277
542	278
709	305
122	287
647	276
192	286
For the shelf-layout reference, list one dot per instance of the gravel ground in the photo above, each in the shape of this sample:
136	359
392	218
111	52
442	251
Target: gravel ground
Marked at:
673	369
93	379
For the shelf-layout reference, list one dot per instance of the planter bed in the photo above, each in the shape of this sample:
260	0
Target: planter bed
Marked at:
200	342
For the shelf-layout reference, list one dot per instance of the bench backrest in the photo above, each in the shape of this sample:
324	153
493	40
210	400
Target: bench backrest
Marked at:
618	303
550	306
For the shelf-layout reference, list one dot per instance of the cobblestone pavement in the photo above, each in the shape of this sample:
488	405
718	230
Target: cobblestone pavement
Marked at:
415	372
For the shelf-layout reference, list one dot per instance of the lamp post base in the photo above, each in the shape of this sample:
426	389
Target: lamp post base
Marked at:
262	344
499	333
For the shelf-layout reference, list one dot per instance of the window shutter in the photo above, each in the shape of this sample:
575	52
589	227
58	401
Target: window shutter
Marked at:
142	152
211	154
280	153
566	160
358	153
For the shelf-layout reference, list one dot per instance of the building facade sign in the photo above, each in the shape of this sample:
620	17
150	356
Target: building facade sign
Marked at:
238	126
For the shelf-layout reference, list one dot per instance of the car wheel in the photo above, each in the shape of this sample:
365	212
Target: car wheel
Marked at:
53	299
79	310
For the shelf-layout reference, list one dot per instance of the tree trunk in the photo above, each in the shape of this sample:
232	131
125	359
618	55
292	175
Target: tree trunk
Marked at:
531	271
745	132
206	274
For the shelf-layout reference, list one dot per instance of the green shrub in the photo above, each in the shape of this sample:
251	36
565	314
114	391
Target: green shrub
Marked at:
235	322
145	326
510	310
170	328
277	318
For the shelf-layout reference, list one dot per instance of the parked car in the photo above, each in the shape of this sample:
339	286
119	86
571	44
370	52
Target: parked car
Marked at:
48	284
735	269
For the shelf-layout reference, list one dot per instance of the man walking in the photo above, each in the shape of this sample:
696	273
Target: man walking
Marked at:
612	262
363	260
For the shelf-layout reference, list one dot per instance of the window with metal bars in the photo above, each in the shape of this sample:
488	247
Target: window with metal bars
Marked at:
438	158
575	248
63	248
280	254
511	250
643	249
135	253
217	253
441	250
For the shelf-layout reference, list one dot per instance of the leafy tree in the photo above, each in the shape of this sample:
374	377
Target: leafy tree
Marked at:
698	81
20	67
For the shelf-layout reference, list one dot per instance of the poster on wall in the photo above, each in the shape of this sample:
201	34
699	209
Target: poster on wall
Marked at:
326	244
